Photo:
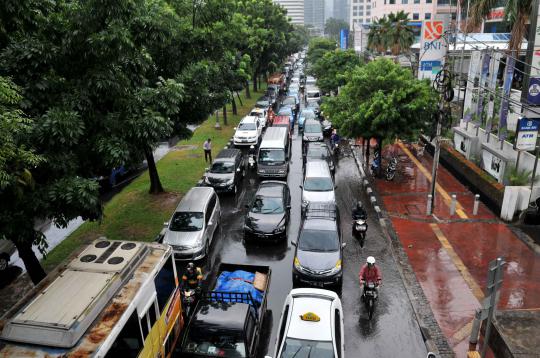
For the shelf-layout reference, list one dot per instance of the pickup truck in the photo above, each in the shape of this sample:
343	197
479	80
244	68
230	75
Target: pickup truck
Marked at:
227	322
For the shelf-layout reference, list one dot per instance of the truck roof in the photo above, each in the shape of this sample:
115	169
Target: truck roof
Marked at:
216	315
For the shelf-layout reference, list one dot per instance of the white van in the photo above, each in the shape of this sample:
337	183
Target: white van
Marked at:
273	157
313	93
318	184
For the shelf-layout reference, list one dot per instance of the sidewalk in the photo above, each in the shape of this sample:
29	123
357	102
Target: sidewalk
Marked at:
450	253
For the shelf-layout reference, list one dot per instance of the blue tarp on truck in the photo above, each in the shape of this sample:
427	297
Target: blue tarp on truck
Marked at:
238	281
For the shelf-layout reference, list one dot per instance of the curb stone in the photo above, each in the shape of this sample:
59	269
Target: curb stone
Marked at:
434	339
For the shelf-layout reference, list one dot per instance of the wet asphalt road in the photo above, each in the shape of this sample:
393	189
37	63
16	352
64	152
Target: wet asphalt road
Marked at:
393	332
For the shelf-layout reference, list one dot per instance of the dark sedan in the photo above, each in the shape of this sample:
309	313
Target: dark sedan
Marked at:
269	213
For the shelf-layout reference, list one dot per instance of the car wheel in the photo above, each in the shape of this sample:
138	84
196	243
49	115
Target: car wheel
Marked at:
4	260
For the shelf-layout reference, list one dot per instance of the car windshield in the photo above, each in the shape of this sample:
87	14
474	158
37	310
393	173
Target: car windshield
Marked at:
186	221
210	344
312	128
308	114
317	152
318	240
318	184
285	112
247	126
222	167
267	205
313	94
271	156
300	348
289	101
257	114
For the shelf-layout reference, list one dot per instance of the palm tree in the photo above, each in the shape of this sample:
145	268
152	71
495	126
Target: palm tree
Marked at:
516	13
378	35
401	36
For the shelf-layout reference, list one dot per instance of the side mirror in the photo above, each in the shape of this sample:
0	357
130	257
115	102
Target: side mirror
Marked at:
246	206
294	243
238	170
166	224
343	245
289	206
335	186
300	186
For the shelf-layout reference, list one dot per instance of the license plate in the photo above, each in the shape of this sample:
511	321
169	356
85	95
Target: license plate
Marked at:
244	140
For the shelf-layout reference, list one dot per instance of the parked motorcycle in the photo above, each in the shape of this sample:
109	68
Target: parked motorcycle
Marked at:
360	227
370	297
391	169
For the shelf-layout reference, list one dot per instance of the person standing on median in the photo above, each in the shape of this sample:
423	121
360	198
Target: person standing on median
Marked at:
207	146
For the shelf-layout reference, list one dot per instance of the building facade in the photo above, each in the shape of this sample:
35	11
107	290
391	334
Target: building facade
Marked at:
295	10
418	9
314	13
360	12
342	9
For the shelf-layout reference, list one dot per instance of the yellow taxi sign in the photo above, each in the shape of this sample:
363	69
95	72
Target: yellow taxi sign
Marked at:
310	316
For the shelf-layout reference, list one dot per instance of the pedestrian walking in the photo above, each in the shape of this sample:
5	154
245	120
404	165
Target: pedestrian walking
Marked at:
207	146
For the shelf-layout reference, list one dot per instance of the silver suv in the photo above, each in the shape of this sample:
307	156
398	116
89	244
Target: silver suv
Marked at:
192	226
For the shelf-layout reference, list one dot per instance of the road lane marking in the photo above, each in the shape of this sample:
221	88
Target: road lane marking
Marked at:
447	198
475	288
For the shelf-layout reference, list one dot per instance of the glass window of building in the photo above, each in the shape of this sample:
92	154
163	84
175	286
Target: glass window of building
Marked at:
427	16
429	1
417	1
415	16
392	2
404	2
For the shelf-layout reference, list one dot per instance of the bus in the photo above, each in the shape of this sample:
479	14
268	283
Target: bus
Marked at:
114	299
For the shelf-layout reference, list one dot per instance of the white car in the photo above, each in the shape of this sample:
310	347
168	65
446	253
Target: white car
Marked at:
248	131
318	184
311	325
260	113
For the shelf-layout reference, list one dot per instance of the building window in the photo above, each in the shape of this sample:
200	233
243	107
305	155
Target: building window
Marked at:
404	2
429	1
415	16
367	21
417	1
454	16
427	16
392	2
368	7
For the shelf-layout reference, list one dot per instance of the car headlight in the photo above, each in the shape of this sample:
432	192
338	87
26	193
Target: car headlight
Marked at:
336	268
297	264
230	182
280	229
281	171
199	243
262	171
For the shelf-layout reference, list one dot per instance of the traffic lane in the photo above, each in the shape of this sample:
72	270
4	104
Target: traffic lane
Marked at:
393	331
230	247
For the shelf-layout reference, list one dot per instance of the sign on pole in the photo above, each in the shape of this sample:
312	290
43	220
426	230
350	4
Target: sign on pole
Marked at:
473	69
492	86
343	38
481	88
433	48
527	132
508	77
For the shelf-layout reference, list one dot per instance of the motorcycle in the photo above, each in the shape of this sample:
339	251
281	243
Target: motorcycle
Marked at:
252	163
360	227
336	150
189	299
369	297
391	169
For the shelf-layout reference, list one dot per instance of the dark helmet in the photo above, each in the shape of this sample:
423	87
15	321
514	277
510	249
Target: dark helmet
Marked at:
359	205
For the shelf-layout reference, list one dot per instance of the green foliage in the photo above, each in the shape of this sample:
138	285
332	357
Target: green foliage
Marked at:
382	100
318	46
331	70
517	177
332	28
391	33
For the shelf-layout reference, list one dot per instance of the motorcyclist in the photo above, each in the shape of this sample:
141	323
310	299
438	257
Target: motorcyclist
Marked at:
359	212
370	273
192	278
334	139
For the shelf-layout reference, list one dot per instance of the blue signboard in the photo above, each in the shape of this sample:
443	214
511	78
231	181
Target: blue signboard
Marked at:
433	66
533	97
527	124
344	39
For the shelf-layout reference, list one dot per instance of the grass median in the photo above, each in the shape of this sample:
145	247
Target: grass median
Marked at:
133	213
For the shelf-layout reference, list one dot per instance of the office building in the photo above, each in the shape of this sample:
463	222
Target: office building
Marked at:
418	9
360	12
314	13
295	10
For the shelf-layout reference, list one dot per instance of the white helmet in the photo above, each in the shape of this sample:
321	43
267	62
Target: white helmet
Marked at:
371	260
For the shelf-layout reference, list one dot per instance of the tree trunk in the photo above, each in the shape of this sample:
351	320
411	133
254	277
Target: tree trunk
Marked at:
240	99
225	114
155	183
255	78
233	104
31	262
248	95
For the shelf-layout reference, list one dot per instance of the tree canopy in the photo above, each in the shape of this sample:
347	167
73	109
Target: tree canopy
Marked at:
318	46
331	70
391	33
95	85
333	26
382	100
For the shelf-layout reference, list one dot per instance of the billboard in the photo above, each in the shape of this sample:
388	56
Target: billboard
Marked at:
343	38
432	49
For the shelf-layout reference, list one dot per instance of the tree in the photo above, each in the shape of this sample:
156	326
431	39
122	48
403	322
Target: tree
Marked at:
400	34
382	100
516	13
331	70
318	46
332	28
377	37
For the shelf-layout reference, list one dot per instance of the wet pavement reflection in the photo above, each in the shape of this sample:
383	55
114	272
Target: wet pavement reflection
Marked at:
393	332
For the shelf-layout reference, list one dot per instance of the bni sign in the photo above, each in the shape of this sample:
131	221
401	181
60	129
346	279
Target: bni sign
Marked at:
432	49
527	132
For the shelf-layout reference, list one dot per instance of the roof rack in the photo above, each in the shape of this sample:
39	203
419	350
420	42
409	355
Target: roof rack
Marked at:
317	210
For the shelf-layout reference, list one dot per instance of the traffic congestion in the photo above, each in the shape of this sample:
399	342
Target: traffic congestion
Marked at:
272	254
